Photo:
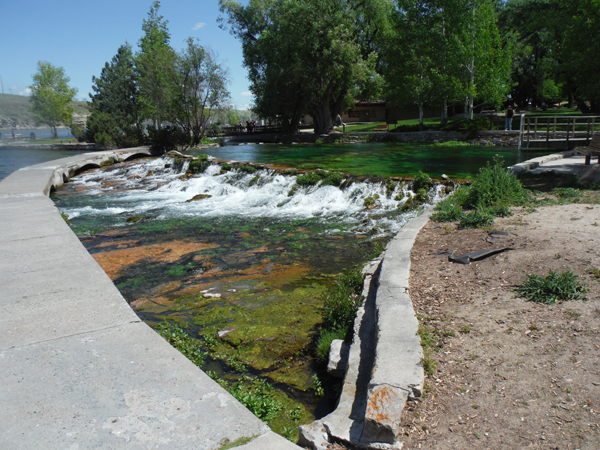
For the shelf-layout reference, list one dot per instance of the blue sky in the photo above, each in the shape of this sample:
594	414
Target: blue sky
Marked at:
81	36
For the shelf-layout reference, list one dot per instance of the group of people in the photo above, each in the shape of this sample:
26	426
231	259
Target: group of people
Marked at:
250	126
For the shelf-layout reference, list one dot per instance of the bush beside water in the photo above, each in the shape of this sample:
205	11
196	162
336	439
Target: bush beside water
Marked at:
495	189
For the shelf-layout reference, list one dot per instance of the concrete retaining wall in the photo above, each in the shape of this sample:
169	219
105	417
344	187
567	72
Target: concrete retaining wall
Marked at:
79	370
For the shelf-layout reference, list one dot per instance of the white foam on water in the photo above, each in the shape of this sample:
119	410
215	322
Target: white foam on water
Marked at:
155	186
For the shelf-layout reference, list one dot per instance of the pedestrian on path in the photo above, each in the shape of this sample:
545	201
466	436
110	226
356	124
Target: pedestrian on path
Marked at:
510	113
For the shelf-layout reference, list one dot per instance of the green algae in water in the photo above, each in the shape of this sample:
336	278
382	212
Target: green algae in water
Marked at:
380	159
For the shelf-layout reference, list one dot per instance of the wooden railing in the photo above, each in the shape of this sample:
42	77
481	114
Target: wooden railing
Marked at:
551	131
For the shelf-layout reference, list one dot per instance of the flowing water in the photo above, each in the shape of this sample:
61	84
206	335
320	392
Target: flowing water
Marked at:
240	260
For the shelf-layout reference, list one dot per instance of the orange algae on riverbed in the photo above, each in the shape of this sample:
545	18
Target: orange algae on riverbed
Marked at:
113	261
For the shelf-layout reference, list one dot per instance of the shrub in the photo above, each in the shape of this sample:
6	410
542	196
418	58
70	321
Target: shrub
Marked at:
496	186
553	288
167	138
447	211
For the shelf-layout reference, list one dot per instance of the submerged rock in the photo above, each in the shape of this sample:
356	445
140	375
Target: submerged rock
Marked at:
198	197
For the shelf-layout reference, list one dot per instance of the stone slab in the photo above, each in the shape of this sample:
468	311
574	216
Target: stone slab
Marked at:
123	387
271	441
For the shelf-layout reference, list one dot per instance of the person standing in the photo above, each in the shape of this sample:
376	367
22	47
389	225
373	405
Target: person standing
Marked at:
510	113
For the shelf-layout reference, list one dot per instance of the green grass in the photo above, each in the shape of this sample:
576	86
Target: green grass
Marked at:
555	287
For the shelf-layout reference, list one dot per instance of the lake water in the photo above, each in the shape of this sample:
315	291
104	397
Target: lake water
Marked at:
15	157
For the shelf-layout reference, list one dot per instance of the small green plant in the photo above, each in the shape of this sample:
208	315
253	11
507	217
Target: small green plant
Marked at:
181	341
567	193
257	395
210	342
429	365
325	340
342	299
465	329
332	179
308	179
555	287
594	272
226	167
247	168
422	181
318	385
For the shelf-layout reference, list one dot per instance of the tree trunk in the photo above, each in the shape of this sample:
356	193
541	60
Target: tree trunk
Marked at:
421	125
444	117
322	117
571	100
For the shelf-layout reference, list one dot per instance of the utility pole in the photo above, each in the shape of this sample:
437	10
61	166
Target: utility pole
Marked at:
1	83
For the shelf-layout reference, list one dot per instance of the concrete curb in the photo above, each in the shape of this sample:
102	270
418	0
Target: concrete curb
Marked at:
79	369
384	365
535	163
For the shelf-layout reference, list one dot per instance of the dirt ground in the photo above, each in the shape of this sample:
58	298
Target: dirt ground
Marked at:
509	374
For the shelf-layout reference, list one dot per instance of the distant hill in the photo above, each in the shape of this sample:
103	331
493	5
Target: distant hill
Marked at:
15	112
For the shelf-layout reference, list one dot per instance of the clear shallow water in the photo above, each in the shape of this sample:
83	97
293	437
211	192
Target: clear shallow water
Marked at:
268	254
15	157
377	159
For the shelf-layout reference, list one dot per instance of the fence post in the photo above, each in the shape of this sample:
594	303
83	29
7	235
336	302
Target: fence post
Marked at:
521	131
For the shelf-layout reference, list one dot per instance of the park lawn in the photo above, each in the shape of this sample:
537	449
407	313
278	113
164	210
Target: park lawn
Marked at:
365	127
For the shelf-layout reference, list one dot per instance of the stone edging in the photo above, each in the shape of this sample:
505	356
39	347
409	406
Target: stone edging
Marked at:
384	365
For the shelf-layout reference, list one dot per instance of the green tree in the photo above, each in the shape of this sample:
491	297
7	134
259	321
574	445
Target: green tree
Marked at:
580	50
200	89
537	29
411	71
483	54
51	96
155	64
233	117
305	56
115	108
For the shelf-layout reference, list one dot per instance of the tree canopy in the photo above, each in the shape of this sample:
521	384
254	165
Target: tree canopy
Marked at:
305	56
51	96
116	109
177	91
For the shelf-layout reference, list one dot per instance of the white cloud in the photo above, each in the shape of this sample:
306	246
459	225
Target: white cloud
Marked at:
245	107
199	25
246	94
25	92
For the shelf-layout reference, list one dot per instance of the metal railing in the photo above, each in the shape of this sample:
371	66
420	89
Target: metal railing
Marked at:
541	131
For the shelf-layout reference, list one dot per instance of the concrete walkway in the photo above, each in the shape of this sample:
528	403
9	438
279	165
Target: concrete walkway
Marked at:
79	370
